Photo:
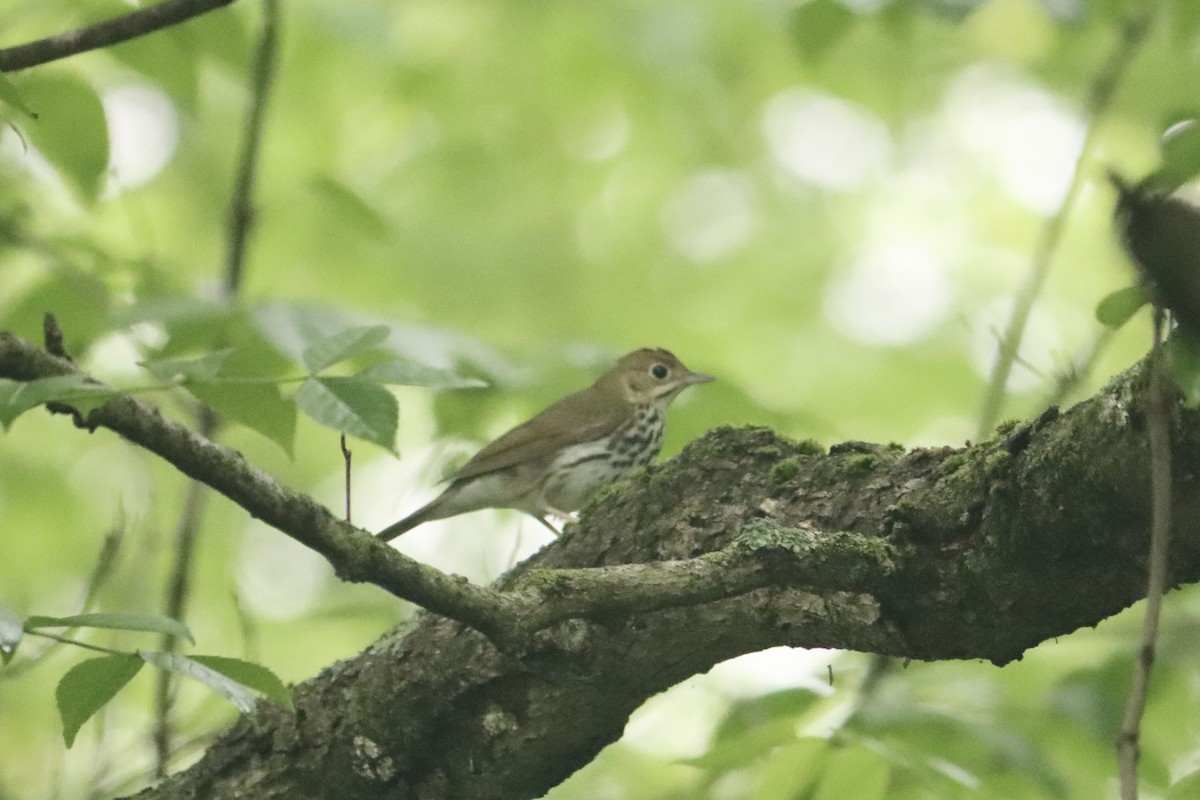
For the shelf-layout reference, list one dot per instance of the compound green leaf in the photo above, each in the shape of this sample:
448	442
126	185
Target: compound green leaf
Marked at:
249	674
124	621
87	686
241	696
402	372
70	129
326	352
352	406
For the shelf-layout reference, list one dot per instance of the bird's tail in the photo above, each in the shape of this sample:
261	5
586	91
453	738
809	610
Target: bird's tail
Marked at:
422	515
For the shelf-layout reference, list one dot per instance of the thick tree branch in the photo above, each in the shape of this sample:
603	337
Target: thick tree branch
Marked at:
979	552
102	34
767	556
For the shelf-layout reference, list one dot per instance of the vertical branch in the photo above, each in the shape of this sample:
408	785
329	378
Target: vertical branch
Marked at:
1100	97
240	221
176	602
1158	416
241	208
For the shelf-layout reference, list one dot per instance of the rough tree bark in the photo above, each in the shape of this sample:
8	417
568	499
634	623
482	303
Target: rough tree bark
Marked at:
996	548
975	552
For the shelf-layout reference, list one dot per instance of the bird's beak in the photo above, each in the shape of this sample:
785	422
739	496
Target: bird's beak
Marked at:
698	377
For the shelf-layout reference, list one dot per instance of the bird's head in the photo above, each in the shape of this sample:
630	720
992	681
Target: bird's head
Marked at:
652	376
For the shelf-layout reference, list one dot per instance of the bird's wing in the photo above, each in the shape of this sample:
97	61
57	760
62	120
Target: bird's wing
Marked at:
555	428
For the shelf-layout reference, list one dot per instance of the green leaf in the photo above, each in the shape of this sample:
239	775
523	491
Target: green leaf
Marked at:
343	345
87	686
251	675
1186	788
409	373
854	772
12	628
819	25
131	621
349	207
189	368
8	406
70	130
790	770
74	389
258	406
1117	307
1180	147
352	406
241	696
9	95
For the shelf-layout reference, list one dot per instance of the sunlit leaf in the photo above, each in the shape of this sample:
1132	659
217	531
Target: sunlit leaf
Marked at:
249	674
1180	156
1117	307
126	621
73	389
1186	788
241	696
202	368
12	628
259	406
789	770
352	406
11	96
350	207
402	372
70	130
343	345
87	686
817	26
854	772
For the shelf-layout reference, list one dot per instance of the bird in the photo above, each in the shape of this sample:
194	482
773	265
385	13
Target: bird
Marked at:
554	463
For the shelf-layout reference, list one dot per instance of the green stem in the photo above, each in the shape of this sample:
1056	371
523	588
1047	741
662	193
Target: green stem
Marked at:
1100	98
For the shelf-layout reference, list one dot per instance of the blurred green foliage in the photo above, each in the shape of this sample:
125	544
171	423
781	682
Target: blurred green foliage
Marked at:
827	204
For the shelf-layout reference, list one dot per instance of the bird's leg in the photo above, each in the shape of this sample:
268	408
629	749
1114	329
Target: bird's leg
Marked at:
542	519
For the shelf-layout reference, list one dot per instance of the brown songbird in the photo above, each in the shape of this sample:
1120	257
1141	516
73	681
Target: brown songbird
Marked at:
555	462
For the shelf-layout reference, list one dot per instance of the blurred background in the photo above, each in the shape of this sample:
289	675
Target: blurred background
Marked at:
833	206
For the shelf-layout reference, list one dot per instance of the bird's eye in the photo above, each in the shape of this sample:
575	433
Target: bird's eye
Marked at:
659	371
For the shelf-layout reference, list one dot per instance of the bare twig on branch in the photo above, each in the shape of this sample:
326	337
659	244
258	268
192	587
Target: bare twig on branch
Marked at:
347	458
1100	96
175	607
106	33
1158	422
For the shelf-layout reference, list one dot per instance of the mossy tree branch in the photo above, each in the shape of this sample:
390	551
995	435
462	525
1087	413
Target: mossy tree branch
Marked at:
976	552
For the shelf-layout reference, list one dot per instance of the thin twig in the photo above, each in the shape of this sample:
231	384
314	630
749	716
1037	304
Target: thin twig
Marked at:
1100	97
240	217
1158	415
102	34
78	643
347	457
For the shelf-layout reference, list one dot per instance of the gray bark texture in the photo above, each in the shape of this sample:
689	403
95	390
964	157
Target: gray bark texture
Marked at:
977	552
